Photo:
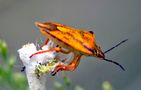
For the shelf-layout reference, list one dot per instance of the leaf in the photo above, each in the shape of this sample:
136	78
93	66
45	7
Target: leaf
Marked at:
19	78
4	74
67	81
3	50
78	88
107	86
58	86
11	62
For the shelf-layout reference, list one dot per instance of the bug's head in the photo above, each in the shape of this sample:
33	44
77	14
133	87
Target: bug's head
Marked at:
98	53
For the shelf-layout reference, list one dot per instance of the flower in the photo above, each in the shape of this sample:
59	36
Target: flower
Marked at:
40	63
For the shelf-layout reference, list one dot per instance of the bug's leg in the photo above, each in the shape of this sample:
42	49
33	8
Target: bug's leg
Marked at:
57	49
46	42
68	67
63	51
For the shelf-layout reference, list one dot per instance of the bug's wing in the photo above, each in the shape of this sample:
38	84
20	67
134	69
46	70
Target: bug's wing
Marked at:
85	37
82	41
69	41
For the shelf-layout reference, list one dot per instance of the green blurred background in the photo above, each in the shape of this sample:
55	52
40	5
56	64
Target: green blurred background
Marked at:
111	21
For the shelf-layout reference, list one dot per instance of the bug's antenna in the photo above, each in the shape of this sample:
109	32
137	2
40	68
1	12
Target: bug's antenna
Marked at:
115	46
115	63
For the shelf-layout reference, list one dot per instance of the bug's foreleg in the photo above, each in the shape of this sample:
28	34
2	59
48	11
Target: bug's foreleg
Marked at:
68	67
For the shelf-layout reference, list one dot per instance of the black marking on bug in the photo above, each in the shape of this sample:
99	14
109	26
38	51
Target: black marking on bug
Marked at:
50	26
91	32
89	49
56	38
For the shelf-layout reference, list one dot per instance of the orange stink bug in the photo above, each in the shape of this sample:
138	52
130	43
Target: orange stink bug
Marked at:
74	40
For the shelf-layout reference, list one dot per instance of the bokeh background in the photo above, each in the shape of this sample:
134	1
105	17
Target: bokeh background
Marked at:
111	21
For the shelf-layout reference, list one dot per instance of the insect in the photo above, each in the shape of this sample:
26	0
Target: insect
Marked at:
74	40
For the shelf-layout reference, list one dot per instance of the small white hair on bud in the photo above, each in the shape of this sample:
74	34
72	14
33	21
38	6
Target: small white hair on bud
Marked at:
26	51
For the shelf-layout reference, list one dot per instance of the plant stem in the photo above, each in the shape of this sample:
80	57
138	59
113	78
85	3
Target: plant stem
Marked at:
34	82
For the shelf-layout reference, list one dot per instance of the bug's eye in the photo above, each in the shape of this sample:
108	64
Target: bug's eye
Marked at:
91	32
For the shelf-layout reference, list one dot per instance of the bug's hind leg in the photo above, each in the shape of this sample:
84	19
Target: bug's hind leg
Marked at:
68	67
